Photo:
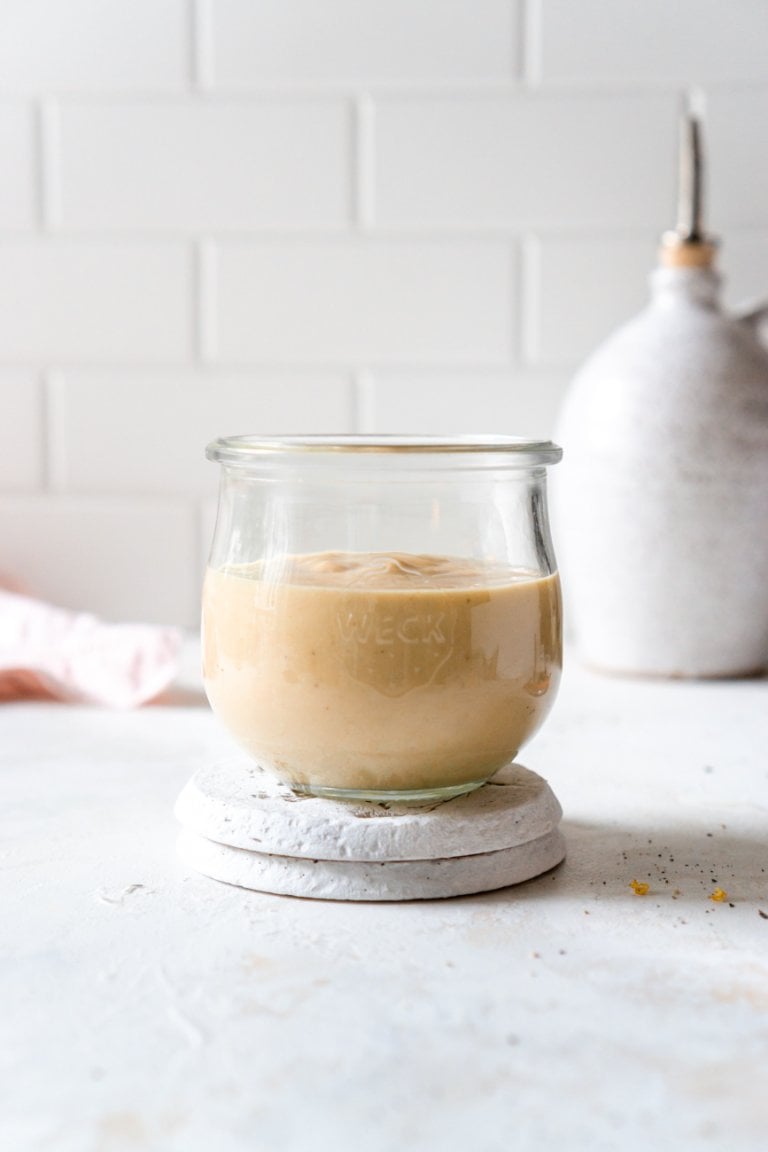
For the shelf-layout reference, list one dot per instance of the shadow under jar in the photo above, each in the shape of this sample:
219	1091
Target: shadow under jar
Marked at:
382	615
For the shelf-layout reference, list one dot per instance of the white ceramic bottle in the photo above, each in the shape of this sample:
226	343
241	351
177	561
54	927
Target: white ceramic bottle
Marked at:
661	507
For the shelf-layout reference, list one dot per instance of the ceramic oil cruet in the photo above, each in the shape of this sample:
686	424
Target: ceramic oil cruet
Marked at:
662	505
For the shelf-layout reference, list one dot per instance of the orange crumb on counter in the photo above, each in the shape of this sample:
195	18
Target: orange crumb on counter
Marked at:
719	896
639	887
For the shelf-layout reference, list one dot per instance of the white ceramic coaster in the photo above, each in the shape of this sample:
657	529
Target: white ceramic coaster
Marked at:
238	804
367	880
243	827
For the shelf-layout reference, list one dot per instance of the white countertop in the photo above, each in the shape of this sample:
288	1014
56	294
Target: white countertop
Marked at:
149	1008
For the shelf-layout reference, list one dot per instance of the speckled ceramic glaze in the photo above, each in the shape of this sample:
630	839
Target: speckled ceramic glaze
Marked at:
661	509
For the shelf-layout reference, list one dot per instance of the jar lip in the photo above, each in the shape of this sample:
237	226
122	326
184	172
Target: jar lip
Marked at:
242	449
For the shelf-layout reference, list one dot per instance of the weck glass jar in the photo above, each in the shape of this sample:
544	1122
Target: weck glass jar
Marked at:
382	616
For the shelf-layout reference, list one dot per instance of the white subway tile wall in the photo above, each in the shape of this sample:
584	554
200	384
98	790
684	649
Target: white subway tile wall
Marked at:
94	301
653	42
145	457
22	446
181	166
18	193
579	288
94	46
359	41
363	301
115	556
525	160
737	122
223	216
451	402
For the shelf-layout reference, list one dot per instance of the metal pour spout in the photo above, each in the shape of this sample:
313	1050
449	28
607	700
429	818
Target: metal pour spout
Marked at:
688	245
690	182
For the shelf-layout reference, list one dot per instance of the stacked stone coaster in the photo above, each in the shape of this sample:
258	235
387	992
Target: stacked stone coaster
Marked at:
243	827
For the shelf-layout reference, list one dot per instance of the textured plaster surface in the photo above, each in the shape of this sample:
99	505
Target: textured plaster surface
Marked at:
146	1007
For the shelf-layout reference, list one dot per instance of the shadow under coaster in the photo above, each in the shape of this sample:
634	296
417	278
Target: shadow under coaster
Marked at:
243	827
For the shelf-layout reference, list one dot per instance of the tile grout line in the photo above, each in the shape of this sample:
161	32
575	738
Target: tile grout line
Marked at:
517	309
53	450
337	367
200	47
444	233
201	547
204	313
364	163
201	69
364	401
530	301
48	165
530	43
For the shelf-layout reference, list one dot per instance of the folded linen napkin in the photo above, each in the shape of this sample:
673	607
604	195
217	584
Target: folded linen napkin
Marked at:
51	653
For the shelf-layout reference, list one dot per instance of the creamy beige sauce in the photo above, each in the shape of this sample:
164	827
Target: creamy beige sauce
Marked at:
381	671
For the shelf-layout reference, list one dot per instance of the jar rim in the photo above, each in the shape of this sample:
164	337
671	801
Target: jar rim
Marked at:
242	449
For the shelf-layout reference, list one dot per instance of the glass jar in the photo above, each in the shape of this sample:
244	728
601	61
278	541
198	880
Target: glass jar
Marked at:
382	616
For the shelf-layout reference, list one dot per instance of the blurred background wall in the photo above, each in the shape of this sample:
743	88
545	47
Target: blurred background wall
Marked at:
323	215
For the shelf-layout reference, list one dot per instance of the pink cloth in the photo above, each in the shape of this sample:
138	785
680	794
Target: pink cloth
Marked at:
50	653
